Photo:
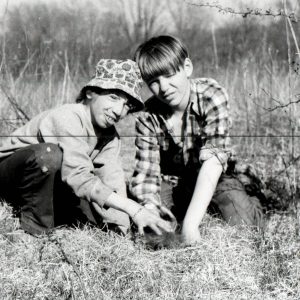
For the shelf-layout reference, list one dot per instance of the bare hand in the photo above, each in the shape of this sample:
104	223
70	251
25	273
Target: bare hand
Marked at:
166	214
146	218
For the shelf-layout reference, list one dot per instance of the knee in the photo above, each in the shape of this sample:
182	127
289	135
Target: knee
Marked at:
49	157
236	205
229	183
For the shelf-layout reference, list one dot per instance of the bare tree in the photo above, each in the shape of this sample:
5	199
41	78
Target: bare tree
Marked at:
141	19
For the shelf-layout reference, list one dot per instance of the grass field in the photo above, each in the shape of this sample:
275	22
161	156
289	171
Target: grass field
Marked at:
229	263
87	263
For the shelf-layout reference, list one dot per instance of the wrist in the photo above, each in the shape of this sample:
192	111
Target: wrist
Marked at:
150	205
190	225
153	208
138	211
132	208
122	203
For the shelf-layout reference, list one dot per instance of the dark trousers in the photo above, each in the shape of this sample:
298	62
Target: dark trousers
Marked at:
30	180
230	200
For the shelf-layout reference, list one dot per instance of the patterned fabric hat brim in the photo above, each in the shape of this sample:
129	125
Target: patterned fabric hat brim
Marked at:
121	75
110	84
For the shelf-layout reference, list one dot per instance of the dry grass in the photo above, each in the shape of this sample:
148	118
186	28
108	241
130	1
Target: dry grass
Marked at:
229	263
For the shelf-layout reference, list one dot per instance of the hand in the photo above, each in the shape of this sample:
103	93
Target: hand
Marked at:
163	212
166	214
190	235
146	218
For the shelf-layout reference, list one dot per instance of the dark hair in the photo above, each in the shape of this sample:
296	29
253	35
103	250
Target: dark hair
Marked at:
82	98
160	55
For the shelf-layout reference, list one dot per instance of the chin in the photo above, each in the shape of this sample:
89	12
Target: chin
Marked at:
175	103
101	125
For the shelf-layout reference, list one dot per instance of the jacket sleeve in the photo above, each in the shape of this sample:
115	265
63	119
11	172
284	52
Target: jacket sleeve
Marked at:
66	130
108	166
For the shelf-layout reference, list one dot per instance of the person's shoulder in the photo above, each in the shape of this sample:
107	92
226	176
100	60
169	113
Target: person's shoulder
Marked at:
69	107
209	95
207	86
71	116
149	116
68	110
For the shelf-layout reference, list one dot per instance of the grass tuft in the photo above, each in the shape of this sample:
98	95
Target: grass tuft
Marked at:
230	263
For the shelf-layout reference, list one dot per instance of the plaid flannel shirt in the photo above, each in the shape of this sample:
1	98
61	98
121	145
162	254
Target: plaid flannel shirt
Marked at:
206	134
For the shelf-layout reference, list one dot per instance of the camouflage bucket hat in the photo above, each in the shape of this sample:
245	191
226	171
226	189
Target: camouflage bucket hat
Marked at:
121	75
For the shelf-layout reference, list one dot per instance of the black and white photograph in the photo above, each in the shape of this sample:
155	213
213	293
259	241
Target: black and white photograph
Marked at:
150	149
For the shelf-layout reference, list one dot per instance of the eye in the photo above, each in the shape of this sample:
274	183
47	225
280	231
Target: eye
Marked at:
114	97
168	75
129	106
152	84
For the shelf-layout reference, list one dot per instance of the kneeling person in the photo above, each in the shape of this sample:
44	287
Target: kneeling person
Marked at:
63	165
182	143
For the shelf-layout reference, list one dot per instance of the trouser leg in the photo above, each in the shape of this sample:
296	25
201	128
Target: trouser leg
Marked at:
230	199
235	205
27	180
30	180
71	210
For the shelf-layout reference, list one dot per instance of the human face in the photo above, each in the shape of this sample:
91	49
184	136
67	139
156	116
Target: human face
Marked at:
173	89
107	108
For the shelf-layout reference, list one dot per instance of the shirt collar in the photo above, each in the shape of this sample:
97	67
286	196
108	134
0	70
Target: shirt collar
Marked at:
194	101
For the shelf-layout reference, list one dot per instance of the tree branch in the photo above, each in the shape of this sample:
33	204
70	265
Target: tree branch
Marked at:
247	12
280	104
17	108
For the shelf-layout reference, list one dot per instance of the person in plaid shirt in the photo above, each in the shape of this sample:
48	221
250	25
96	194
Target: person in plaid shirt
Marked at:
182	143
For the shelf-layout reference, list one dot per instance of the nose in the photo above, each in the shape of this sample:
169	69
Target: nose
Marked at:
163	85
118	108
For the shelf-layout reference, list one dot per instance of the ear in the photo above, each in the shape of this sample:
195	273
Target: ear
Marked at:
188	67
89	94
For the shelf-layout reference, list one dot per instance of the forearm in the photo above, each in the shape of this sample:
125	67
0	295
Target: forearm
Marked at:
206	183
141	216
118	202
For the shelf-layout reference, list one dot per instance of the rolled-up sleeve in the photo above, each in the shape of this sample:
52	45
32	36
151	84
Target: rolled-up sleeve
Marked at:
215	132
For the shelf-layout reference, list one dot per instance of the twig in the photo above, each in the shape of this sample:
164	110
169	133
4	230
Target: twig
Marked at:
293	34
288	164
281	105
3	61
69	262
247	12
17	108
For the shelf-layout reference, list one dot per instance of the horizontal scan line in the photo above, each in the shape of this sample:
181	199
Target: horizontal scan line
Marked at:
167	137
